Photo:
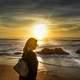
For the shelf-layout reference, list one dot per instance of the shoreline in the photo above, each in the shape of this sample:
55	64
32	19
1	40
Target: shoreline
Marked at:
7	73
45	71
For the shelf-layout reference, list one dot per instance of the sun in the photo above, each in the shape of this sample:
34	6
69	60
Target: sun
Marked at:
40	31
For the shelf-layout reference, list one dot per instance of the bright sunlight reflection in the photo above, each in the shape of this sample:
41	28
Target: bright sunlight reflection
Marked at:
40	31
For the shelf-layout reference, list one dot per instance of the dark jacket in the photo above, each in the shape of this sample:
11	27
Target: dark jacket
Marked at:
31	59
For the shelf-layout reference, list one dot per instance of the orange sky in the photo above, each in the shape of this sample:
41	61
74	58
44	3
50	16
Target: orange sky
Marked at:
24	31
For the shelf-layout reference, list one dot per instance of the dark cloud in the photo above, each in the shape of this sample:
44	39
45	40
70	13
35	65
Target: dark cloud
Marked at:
62	2
62	10
15	2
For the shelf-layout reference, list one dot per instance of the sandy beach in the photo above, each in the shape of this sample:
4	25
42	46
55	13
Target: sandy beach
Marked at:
7	73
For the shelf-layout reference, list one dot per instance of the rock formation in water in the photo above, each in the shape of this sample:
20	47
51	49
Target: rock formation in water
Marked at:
58	51
78	51
17	53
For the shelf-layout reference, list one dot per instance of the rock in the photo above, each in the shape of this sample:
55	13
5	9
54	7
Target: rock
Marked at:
78	51
17	53
58	51
46	51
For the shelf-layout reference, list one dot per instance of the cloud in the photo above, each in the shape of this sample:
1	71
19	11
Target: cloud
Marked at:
69	27
64	11
58	8
7	21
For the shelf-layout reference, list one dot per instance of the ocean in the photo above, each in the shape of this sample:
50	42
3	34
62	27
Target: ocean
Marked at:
46	62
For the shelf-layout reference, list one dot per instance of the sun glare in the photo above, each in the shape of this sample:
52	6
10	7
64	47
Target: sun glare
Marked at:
40	31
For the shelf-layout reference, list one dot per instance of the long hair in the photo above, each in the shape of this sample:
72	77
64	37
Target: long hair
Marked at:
29	44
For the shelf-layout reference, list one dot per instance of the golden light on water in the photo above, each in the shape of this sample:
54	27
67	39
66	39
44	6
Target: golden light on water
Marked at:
40	31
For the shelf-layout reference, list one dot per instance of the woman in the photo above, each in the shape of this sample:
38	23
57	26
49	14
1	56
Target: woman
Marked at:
30	58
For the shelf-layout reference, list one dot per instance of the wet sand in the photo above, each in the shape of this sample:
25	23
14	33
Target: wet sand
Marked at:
7	73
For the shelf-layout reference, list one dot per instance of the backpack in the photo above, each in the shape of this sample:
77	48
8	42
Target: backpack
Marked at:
21	68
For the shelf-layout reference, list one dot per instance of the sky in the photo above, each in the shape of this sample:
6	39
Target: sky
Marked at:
17	17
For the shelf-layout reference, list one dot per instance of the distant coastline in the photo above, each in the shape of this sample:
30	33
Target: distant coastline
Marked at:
54	38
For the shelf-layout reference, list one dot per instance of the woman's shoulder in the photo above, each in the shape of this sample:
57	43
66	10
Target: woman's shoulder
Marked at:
29	54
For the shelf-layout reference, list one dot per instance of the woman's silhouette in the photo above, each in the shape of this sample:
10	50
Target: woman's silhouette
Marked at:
30	58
